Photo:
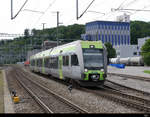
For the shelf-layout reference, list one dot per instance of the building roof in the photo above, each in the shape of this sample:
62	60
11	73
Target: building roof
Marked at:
107	22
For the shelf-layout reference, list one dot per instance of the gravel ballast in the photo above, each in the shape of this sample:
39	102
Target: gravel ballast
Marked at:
88	101
26	104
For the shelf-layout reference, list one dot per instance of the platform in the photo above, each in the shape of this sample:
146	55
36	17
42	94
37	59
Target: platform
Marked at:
130	70
8	104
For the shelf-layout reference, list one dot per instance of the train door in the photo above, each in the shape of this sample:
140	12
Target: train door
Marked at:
76	70
66	66
35	67
60	59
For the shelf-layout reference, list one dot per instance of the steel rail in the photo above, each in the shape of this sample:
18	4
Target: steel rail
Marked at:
74	106
139	91
130	76
109	94
123	100
44	107
142	104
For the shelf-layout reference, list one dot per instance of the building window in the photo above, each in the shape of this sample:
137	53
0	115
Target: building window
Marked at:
125	41
109	37
112	27
115	39
122	39
135	53
119	39
118	53
112	40
105	38
128	40
102	38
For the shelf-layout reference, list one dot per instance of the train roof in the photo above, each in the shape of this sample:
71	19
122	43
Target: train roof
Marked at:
66	48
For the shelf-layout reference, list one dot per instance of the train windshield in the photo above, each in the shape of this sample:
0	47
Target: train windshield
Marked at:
93	58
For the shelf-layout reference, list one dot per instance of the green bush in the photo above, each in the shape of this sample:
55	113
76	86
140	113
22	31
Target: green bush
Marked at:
146	52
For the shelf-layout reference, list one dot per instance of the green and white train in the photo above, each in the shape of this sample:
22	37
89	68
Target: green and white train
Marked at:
82	61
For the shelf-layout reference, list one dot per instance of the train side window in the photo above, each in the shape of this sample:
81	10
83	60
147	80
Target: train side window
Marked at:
54	62
74	60
46	62
38	62
65	60
32	62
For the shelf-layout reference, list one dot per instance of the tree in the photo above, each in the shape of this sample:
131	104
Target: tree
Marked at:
146	52
139	29
26	33
111	51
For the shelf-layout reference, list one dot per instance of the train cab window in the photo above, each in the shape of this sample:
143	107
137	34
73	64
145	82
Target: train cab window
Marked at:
74	60
65	60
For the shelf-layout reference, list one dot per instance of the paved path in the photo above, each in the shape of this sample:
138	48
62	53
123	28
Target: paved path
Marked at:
8	104
1	93
130	70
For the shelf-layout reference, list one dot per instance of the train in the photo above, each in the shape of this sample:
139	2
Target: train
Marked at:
83	62
129	61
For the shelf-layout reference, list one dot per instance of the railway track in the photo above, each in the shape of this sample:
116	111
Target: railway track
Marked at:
130	76
128	99
48	100
138	103
122	97
26	101
128	90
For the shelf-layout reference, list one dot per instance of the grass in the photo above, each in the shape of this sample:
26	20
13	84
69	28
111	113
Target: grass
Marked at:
147	71
1	93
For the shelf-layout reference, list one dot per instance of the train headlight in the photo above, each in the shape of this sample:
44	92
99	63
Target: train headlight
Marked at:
102	70
92	46
85	70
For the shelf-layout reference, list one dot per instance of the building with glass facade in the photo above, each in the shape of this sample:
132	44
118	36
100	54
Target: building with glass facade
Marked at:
117	33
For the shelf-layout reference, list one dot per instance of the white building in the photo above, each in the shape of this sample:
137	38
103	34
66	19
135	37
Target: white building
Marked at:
141	41
127	51
124	51
123	18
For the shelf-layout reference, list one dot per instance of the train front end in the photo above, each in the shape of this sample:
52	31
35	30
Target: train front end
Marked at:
94	63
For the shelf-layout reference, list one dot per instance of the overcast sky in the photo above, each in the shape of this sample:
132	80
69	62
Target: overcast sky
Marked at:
67	9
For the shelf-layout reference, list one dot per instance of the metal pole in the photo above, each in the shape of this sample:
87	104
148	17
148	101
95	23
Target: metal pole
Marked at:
43	25
77	9
11	9
57	26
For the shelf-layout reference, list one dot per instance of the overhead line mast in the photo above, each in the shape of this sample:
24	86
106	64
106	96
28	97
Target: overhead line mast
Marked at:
77	9
13	17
